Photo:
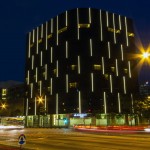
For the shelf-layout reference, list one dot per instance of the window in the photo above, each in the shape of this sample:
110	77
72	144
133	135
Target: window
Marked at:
112	68
131	34
49	36
73	67
62	30
73	85
96	67
83	25
113	30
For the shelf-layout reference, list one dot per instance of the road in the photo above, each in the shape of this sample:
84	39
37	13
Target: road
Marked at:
67	139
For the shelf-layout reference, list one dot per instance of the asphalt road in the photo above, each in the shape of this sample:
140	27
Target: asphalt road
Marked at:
67	139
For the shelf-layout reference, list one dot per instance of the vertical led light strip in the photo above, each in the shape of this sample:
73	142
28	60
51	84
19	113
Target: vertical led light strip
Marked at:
79	71
80	111
27	106
110	78
57	68
116	67
129	68
41	58
66	49
132	103
124	84
66	18
107	19
91	49
78	36
105	103
114	28
66	83
45	103
45	71
42	31
32	62
51	86
29	44
120	26
101	25
119	104
46	35
57	103
31	86
92	82
51	25
28	81
89	15
103	65
37	40
40	88
33	37
35	107
36	74
126	28
109	55
122	56
51	54
57	32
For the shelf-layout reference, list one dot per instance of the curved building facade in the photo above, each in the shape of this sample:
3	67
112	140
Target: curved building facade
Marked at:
78	62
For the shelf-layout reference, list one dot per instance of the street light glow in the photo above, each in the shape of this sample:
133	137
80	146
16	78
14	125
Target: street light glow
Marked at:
146	55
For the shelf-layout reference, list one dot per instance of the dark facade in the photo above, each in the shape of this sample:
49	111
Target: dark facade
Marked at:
78	62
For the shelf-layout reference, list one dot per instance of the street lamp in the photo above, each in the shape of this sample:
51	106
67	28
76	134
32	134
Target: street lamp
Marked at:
3	106
146	55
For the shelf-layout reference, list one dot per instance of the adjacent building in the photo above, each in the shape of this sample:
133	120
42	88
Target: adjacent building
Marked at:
78	63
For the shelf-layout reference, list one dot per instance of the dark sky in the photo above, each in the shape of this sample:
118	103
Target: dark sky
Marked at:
18	17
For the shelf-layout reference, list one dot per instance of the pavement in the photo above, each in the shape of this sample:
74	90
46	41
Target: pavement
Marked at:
8	147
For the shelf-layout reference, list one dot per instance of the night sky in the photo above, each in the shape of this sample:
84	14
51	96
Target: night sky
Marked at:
18	17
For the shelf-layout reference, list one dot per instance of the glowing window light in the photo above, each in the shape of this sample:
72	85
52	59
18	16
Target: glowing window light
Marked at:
46	35
51	86
114	28
42	31
108	44
107	22
119	103
103	65
66	83
66	18
129	68
51	25
62	30
79	96
89	15
77	24
31	87
41	58
66	49
29	50
32	62
45	71
57	69
105	103
79	71
101	26
28	77
33	37
91	49
35	106
116	67
37	39
122	55
51	54
110	78
126	28
40	88
120	26
84	25
27	106
124	84
57	103
92	83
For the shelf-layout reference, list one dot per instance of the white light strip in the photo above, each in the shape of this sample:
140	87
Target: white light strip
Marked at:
37	40
45	71
57	68
114	28
45	103
35	107
80	111
66	18
57	32
46	35
51	54
101	25
32	62
109	50
122	56
92	83
91	49
66	49
27	106
51	86
31	85
129	66
119	104
66	83
107	19
57	103
29	50
40	88
105	105
33	38
51	25
124	84
78	24
36	74
126	28
120	26
28	81
110	78
103	65
89	15
41	58
79	71
116	67
42	31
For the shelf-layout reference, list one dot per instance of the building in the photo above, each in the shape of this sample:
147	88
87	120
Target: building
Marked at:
77	63
11	98
144	89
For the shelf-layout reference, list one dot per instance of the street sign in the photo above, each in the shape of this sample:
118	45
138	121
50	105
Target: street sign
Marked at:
21	139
